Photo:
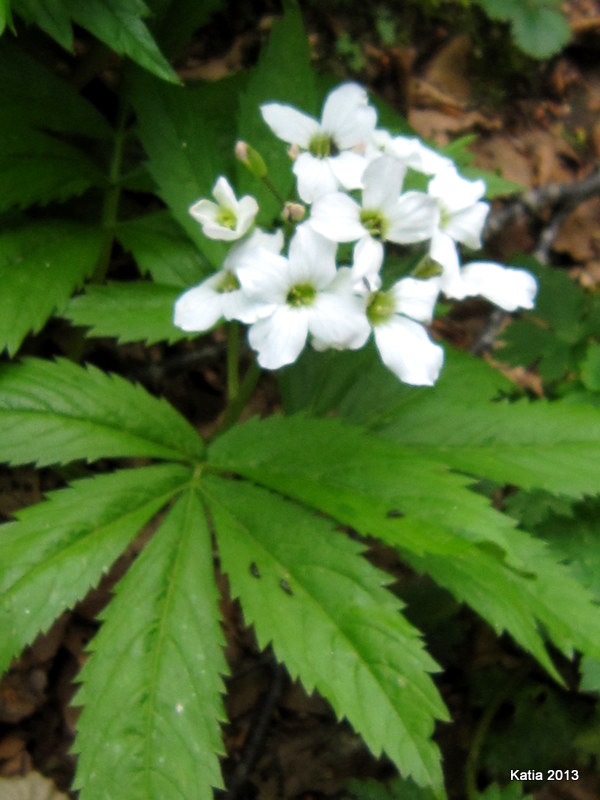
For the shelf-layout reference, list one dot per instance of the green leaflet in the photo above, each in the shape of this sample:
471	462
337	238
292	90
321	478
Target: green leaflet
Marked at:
180	133
57	550
5	15
330	620
45	14
151	689
40	266
398	495
538	27
161	248
130	312
37	168
54	412
284	75
31	93
552	446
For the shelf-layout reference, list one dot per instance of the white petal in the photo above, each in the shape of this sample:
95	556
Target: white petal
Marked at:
338	320
280	338
443	250
224	194
368	259
348	169
383	181
315	177
246	211
416	298
506	287
311	258
413	218
237	305
454	191
273	242
407	350
204	211
337	216
466	226
289	124
264	276
347	117
199	308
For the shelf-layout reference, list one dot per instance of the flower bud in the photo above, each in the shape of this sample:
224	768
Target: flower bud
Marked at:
293	212
251	159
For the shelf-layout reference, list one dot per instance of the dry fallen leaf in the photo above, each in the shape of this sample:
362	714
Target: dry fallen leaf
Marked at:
32	787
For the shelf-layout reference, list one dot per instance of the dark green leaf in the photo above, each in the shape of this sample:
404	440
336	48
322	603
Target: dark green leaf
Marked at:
53	412
130	312
59	549
152	687
50	17
40	266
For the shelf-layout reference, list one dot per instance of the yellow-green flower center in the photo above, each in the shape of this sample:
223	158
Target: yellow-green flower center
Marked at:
321	145
302	294
374	222
228	283
226	217
380	308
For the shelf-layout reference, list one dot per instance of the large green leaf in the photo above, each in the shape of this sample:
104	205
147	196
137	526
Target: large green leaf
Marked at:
441	527
161	248
40	266
5	15
180	133
59	549
50	17
151	689
37	168
130	312
306	588
53	412
29	92
284	75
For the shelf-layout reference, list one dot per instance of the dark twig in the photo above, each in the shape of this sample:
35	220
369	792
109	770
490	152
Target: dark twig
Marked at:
257	734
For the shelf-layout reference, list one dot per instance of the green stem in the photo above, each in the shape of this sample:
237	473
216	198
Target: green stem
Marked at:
482	728
233	354
273	190
238	403
112	196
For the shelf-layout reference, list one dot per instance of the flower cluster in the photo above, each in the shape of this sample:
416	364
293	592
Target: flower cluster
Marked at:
351	175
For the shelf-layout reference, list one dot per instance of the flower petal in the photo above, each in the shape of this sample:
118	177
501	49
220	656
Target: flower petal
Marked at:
368	259
337	217
455	192
279	338
413	218
224	194
289	124
347	117
506	287
416	298
338	320
315	177
264	276
466	226
349	169
443	250
311	258
383	181
199	308
407	350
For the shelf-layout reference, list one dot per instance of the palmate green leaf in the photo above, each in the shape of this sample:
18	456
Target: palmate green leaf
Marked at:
139	311
180	133
57	550
307	590
40	266
408	501
283	75
29	92
37	168
55	411
152	687
161	248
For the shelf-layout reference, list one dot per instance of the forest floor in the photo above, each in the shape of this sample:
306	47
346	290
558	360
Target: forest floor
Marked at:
539	129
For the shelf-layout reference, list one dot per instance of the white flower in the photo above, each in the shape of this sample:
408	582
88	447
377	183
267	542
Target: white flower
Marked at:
220	296
506	287
462	216
385	214
332	146
403	343
301	295
414	154
227	219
